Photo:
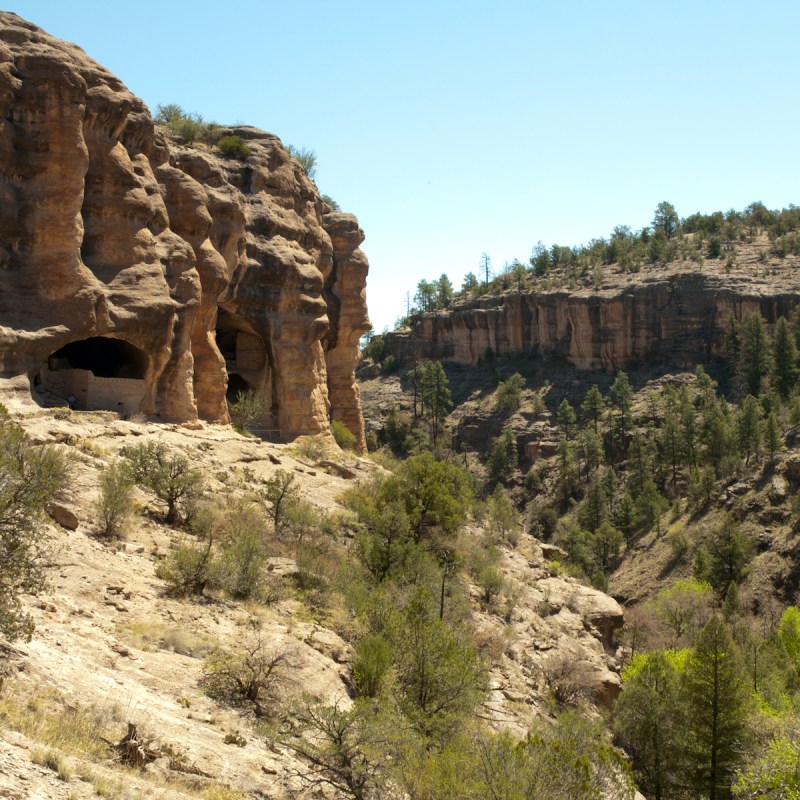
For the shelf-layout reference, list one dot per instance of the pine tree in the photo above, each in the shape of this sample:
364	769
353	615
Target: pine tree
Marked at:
592	408
717	699
755	356
784	368
435	397
750	428
622	393
566	418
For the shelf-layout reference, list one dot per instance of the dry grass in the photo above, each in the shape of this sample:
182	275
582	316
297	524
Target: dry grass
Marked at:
150	635
45	717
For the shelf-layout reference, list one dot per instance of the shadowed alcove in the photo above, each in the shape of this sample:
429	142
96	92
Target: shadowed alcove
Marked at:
100	373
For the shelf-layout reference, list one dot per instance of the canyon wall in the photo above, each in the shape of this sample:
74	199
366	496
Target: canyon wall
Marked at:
678	319
111	233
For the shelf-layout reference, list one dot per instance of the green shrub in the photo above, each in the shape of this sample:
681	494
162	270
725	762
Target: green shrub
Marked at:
509	393
373	658
243	557
115	504
389	364
188	569
249	406
233	147
307	159
343	435
168	475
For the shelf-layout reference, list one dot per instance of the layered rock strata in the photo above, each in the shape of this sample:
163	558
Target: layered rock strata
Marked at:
218	274
679	319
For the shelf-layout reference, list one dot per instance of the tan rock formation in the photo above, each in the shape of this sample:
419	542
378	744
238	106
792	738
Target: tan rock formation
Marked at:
679	318
159	276
347	310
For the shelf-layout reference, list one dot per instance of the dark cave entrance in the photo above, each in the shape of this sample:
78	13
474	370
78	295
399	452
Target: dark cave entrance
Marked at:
99	373
247	365
236	384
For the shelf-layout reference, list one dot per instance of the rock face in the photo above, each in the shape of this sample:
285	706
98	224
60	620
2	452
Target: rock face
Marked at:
680	319
142	276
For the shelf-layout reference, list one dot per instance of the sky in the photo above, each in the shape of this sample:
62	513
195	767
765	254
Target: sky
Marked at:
453	129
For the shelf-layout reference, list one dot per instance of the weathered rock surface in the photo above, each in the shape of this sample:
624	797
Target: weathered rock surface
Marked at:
142	276
678	318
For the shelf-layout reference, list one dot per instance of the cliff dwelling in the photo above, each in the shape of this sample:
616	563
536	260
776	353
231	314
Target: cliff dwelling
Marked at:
94	374
245	356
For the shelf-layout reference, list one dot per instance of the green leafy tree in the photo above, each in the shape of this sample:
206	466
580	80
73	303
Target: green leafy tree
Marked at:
622	395
32	477
470	284
444	291
440	675
648	724
425	296
566	419
730	552
605	543
436	494
772	435
750	428
717	702
502	458
279	494
338	748
775	773
684	608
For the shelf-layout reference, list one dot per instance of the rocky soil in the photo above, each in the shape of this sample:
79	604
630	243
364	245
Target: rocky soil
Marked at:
108	638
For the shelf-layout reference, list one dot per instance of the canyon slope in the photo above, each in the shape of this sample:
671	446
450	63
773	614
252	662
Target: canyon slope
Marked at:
146	276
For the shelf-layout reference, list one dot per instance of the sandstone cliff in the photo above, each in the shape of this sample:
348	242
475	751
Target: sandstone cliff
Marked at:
143	276
671	316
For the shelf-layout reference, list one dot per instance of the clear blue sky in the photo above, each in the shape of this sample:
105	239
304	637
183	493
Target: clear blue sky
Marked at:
454	128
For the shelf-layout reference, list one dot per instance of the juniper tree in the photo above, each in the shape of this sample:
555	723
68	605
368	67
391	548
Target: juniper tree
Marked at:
30	477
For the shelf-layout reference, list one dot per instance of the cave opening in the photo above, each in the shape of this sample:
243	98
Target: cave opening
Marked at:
99	373
103	357
247	364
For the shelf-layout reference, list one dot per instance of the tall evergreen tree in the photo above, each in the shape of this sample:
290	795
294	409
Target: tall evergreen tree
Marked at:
592	408
784	367
717	699
622	394
755	356
436	397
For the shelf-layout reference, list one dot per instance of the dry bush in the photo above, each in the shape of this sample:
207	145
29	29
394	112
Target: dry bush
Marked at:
253	676
568	678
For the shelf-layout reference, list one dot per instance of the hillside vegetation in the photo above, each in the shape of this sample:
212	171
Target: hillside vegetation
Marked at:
676	493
